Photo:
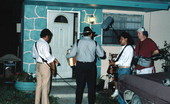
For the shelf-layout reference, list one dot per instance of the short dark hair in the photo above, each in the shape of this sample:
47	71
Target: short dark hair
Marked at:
86	34
46	32
145	33
130	40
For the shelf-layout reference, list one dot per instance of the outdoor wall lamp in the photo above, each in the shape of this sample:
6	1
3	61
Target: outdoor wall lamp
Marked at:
91	19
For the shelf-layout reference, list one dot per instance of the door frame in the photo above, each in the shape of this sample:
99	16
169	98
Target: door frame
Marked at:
77	26
78	22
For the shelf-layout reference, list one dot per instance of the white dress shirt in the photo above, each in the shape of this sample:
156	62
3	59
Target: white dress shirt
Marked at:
86	50
126	57
43	51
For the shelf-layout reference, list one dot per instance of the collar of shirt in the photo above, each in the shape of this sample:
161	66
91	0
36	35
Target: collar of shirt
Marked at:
41	39
122	48
86	37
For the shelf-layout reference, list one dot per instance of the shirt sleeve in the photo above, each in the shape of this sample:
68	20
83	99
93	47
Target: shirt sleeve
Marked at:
33	51
46	50
153	46
73	51
99	51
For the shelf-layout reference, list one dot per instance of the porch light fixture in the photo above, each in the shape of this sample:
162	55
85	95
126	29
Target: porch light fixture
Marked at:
91	19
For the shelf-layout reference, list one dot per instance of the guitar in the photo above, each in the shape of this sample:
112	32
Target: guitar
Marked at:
53	68
112	69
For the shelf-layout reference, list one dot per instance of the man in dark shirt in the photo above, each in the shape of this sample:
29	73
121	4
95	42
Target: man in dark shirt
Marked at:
145	47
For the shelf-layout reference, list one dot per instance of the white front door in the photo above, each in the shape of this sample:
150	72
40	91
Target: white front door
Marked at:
62	39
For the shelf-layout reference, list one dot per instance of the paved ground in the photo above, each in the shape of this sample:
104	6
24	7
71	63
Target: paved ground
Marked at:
65	93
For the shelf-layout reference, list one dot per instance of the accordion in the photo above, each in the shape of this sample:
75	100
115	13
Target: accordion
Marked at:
71	61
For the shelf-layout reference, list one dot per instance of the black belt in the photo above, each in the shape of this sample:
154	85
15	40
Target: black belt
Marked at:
84	62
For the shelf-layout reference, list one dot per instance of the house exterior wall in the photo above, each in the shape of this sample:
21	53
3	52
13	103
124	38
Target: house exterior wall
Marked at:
157	25
160	31
35	19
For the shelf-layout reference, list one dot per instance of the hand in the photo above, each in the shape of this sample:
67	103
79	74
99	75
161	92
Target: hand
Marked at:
111	62
56	61
111	71
114	55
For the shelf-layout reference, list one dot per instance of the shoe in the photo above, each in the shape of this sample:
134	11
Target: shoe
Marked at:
115	93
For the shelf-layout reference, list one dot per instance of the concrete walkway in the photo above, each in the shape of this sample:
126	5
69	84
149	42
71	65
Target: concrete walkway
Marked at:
65	93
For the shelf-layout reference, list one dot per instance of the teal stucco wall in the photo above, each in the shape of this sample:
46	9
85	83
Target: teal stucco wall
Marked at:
35	19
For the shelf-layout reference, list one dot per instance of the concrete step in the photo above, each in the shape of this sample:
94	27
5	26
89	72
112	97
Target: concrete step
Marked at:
60	80
66	94
65	90
64	83
70	98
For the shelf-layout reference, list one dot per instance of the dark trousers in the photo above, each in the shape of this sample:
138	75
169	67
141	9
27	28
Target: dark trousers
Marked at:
86	73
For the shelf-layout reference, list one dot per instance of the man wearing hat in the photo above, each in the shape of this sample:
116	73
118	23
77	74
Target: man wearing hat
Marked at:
145	48
85	51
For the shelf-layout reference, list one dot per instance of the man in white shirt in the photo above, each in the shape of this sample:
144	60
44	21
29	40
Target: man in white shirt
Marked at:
41	53
124	59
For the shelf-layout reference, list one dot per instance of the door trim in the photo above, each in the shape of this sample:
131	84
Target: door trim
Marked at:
78	12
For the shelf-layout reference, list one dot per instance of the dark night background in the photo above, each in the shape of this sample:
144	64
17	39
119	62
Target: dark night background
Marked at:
11	13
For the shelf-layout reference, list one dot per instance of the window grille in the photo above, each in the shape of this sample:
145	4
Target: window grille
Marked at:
122	22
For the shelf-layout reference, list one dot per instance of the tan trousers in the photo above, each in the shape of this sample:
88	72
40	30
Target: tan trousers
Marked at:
43	83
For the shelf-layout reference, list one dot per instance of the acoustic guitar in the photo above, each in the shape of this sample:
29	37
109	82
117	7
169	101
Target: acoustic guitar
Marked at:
112	69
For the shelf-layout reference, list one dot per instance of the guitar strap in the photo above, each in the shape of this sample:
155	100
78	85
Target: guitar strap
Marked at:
121	53
50	67
40	56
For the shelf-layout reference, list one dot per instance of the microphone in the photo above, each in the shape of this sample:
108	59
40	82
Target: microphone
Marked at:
108	21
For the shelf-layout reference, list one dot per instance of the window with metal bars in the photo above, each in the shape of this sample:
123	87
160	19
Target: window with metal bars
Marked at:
122	22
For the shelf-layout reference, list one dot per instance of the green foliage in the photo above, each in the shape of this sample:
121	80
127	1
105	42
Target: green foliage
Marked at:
24	77
104	97
166	54
9	95
54	100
